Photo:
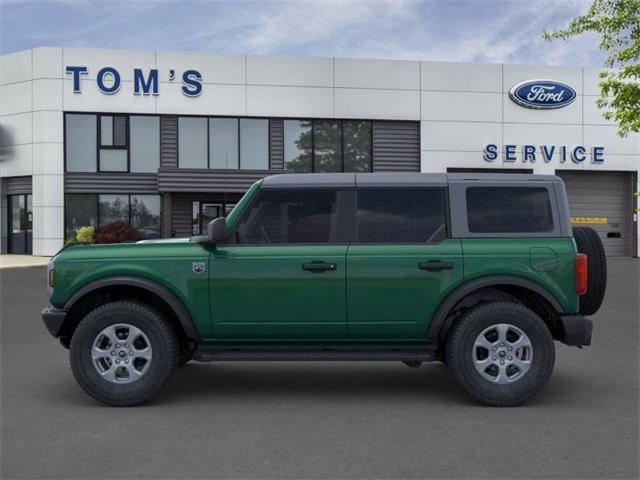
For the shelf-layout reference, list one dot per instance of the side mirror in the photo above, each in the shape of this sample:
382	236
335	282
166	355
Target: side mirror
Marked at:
217	230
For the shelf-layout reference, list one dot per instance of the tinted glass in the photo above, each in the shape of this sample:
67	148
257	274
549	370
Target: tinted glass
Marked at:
223	143
80	142
112	208
357	146
192	142
289	216
327	141
113	160
254	144
145	215
297	146
509	210
119	131
145	143
81	210
401	215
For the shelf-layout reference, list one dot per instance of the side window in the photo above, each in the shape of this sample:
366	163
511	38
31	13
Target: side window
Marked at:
404	215
509	210
289	216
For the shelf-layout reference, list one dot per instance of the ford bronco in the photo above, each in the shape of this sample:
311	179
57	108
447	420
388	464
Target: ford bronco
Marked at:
480	271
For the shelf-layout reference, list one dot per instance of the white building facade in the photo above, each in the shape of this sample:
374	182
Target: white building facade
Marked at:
166	141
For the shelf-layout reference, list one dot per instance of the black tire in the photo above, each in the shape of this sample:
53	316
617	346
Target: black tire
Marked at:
588	242
164	349
185	356
460	351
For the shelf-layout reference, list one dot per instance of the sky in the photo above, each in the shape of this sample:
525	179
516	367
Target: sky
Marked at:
486	31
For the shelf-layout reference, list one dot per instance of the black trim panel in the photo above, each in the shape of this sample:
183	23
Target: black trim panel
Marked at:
176	305
445	307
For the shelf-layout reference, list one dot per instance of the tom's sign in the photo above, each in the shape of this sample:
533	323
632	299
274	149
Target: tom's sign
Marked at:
108	80
542	94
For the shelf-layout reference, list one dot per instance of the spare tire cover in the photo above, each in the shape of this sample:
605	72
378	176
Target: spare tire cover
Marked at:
589	243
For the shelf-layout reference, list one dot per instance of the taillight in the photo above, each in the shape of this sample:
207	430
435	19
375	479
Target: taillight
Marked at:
582	282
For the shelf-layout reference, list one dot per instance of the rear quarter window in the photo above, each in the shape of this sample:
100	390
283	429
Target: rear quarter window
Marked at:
509	210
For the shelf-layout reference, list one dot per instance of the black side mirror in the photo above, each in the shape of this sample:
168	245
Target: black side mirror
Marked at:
217	230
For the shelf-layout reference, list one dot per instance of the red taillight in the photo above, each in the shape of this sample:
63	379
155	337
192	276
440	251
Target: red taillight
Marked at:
582	282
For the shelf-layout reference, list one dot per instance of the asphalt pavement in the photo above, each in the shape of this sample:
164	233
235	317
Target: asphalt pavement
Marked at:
319	420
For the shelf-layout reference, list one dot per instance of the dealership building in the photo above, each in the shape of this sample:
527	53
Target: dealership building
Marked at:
167	141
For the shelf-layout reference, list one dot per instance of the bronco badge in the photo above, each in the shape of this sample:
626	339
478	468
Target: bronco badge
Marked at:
198	267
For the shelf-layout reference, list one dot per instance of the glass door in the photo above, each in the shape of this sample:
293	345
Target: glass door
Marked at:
20	224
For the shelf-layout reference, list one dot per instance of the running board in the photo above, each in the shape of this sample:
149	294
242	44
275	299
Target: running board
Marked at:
314	356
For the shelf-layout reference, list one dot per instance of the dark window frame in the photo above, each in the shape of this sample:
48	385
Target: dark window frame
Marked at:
100	147
342	121
98	115
235	117
127	194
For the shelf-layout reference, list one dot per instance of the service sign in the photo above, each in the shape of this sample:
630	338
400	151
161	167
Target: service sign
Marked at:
542	94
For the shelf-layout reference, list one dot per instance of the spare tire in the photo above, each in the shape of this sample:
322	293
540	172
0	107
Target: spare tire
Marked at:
589	243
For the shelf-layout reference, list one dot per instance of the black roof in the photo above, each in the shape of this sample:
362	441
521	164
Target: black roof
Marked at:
391	179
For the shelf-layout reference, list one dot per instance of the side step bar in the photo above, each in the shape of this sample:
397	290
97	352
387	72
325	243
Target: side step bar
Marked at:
315	355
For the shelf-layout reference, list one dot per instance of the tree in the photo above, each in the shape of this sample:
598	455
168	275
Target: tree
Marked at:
618	23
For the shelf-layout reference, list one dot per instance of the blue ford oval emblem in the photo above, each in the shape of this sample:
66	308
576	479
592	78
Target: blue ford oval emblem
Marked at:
543	94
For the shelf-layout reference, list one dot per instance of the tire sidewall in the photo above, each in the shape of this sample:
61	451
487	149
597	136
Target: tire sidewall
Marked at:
163	350
460	353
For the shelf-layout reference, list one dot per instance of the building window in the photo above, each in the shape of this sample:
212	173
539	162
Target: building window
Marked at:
223	143
192	142
254	144
328	146
142	212
144	143
145	214
401	215
358	142
80	142
81	210
112	143
112	208
204	212
297	146
509	210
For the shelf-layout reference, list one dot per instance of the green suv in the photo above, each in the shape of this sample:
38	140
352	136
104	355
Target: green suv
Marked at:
482	272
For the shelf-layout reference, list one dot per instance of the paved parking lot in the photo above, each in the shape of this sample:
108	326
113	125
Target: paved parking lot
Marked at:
307	420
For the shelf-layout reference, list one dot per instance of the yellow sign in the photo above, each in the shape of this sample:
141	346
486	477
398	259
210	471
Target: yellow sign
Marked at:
589	220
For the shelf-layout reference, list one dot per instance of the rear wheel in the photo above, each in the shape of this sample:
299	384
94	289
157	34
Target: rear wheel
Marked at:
123	353
502	353
588	242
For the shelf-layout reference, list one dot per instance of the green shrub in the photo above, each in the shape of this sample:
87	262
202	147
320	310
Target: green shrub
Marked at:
85	234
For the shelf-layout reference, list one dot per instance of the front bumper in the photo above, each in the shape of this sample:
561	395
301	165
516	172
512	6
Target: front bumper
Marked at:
53	319
577	330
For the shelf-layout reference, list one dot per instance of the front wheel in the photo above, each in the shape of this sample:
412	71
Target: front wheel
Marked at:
502	353
123	353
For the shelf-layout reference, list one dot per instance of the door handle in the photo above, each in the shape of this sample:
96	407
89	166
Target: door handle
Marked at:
435	265
319	267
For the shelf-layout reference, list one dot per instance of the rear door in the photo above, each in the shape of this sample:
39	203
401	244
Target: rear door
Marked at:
402	263
286	276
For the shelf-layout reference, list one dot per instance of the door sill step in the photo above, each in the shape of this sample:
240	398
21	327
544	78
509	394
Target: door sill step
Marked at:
314	356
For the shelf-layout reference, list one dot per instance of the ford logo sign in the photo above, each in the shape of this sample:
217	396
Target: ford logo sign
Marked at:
542	94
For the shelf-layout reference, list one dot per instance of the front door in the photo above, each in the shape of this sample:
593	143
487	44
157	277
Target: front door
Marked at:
20	224
401	265
285	276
